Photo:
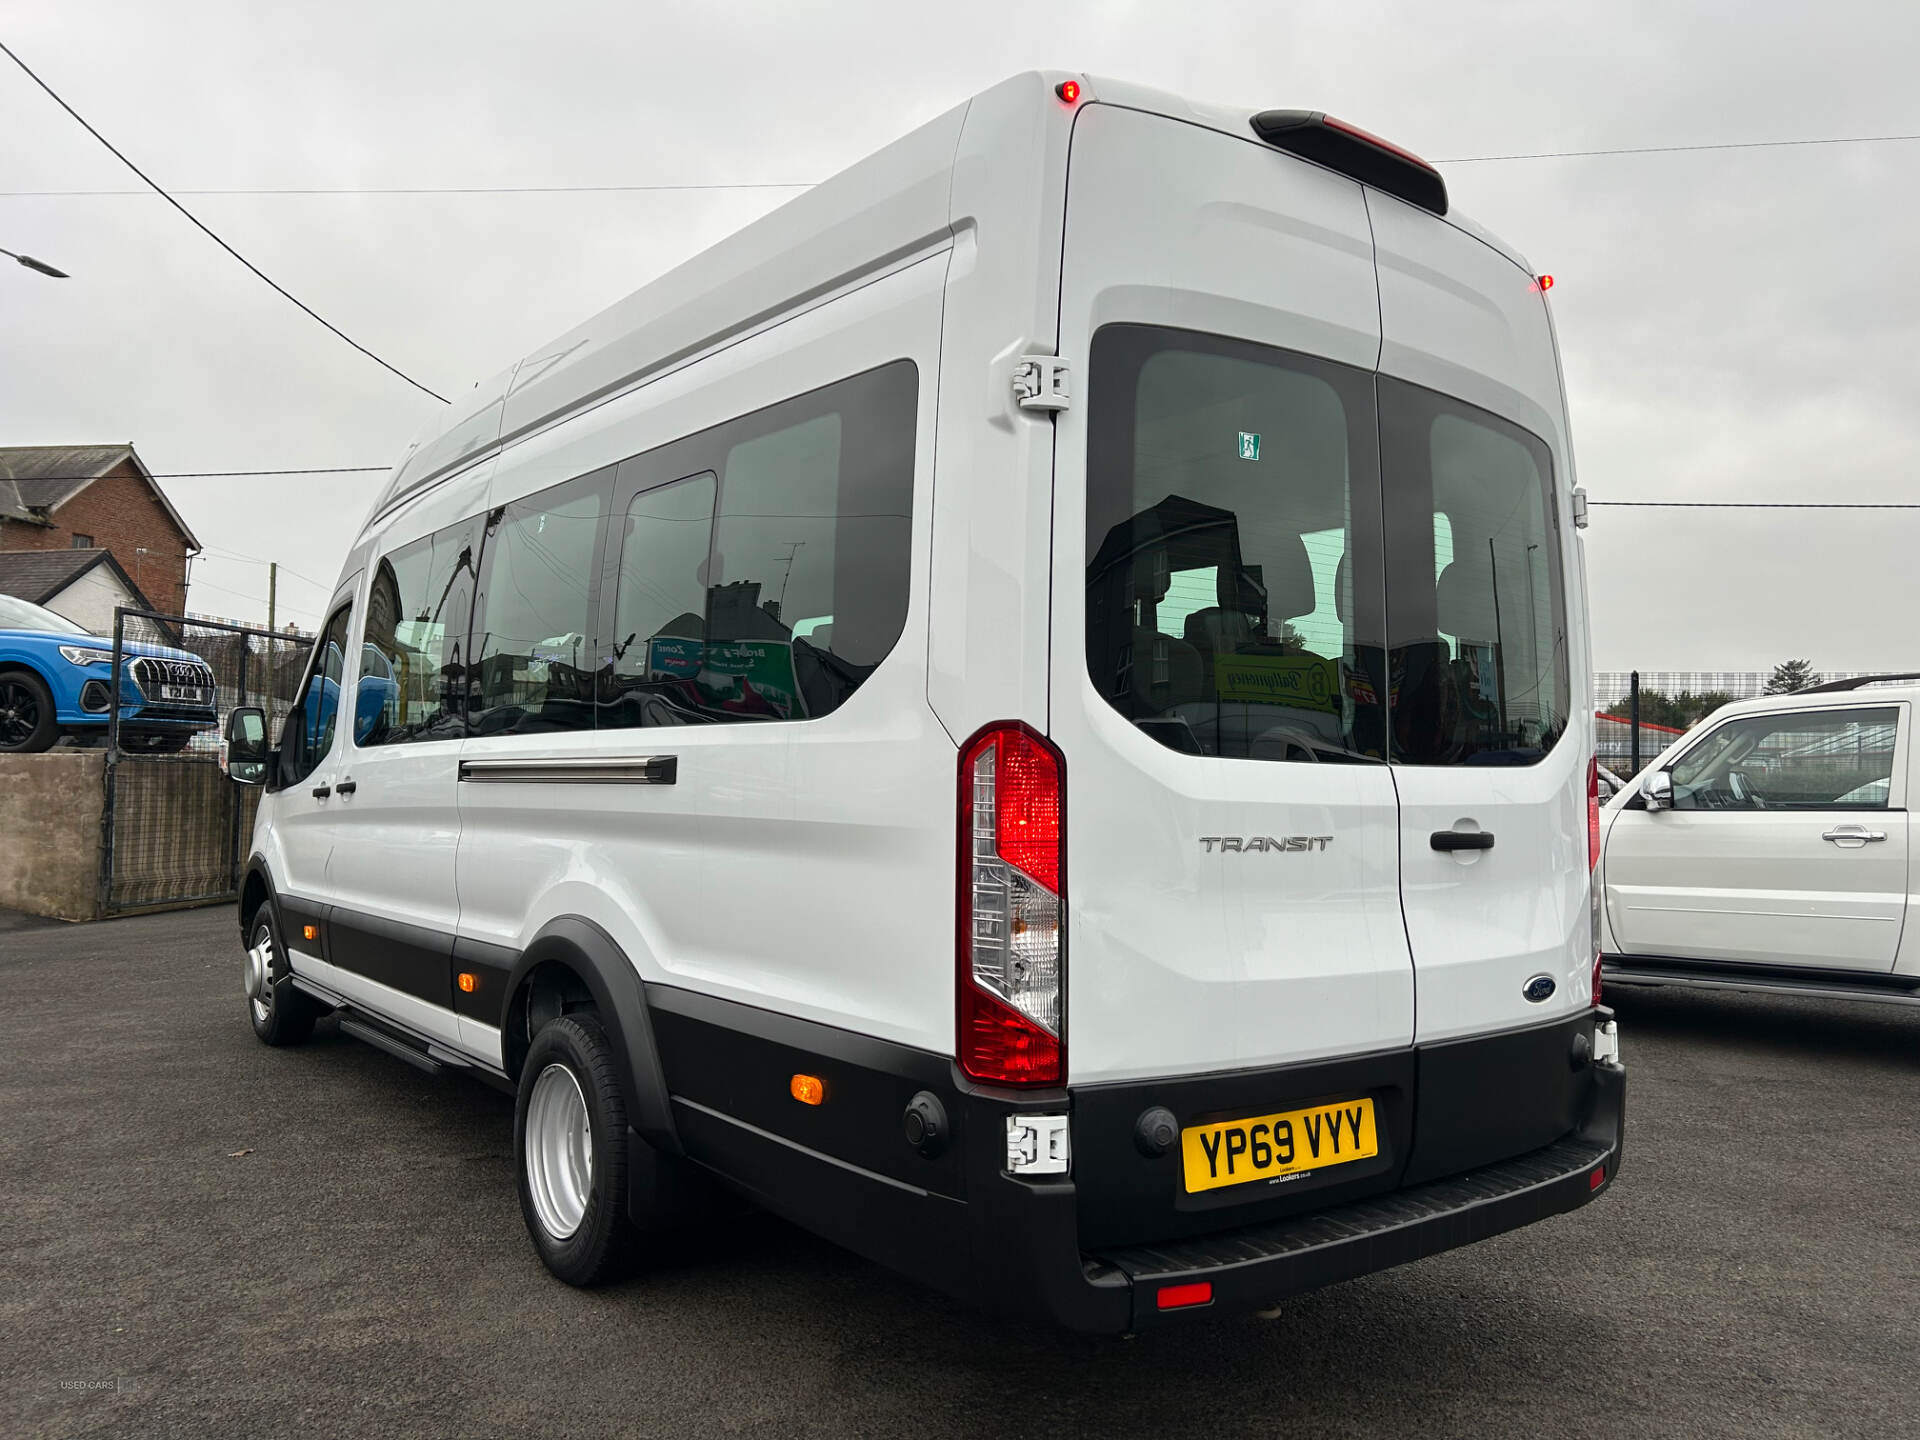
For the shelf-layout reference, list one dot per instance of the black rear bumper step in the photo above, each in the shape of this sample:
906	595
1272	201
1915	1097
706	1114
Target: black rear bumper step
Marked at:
1454	1201
1261	1264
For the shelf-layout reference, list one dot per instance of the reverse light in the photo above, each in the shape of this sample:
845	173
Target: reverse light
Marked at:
1068	90
1011	932
1179	1297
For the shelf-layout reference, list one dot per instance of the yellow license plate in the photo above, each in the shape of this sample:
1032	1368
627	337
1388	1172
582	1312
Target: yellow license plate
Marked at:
1270	1147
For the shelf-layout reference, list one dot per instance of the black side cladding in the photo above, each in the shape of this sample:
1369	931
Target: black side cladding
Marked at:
1310	135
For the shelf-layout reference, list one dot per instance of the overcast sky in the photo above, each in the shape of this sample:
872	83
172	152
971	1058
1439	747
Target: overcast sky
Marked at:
1736	326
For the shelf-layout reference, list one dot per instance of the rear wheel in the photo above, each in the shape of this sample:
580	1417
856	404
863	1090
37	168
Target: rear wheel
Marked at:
27	721
570	1134
280	1013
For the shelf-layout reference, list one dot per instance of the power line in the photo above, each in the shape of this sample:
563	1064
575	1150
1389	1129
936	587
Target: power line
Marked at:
220	555
809	184
1761	504
1678	149
227	474
450	189
210	235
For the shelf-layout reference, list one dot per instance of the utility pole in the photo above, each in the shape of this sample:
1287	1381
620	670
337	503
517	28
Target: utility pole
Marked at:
273	585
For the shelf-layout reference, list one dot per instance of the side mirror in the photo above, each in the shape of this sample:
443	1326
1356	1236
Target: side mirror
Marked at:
1657	790
244	754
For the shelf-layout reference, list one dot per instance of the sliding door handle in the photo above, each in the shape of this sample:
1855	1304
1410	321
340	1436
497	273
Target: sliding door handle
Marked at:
321	792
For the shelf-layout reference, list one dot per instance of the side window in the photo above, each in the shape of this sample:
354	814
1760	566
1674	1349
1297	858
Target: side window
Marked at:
809	583
532	631
1801	760
657	650
1233	591
1477	655
413	679
311	723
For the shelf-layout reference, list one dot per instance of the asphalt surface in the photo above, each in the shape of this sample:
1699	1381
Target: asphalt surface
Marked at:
202	1236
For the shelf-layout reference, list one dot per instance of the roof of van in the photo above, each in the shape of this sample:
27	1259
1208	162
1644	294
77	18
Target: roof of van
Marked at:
869	218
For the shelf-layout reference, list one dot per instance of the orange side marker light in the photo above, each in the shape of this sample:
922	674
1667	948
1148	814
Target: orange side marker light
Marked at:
469	982
310	932
808	1089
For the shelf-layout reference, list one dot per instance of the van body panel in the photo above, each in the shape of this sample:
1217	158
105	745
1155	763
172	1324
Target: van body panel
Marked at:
993	489
1462	319
405	799
786	856
889	206
1185	957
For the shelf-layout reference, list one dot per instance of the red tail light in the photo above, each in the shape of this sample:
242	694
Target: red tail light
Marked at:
1593	812
1012	922
1596	976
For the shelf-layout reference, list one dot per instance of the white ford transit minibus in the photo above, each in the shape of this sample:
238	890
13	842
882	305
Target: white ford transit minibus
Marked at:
1028	712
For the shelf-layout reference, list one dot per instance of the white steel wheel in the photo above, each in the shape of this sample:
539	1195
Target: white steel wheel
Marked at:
259	975
559	1151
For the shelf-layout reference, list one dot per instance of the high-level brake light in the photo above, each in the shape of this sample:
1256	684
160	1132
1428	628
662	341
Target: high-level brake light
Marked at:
1011	934
1315	135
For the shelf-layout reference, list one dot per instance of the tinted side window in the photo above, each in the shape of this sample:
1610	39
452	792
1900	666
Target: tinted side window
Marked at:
532	628
1802	760
808	591
1233	584
1478	645
657	649
311	724
412	684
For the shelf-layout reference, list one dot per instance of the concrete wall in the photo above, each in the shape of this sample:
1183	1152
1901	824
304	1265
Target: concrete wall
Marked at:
50	832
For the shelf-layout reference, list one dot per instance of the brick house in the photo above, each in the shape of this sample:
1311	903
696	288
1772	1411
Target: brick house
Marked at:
85	497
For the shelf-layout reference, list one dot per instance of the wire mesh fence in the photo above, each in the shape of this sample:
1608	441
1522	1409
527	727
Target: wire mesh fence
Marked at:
175	828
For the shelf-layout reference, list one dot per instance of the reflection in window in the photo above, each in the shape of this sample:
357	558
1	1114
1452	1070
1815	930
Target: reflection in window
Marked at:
308	734
658	650
413	673
1478	663
1220	511
1804	760
532	638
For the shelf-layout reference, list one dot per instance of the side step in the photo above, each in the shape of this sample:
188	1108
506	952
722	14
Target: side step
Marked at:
430	1058
1810	985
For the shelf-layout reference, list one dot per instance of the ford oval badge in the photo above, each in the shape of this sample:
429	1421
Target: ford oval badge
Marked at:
1539	988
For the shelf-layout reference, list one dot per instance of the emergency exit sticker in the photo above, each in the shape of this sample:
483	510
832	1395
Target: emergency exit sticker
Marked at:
1249	445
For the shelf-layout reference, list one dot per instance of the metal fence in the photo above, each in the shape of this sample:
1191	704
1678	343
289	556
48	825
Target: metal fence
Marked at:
1612	686
174	828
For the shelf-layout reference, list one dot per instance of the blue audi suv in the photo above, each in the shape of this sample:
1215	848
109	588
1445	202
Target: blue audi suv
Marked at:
56	680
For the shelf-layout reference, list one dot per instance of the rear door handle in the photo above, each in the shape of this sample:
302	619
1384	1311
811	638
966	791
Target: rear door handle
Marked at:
346	787
320	792
1840	834
1461	839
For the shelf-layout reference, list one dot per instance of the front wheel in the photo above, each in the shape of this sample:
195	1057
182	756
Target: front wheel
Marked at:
28	723
281	1014
570	1134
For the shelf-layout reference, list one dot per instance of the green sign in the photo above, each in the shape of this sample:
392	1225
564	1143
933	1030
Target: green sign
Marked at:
1249	445
1305	682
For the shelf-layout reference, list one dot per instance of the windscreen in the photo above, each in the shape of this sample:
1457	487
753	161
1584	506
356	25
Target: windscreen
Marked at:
18	614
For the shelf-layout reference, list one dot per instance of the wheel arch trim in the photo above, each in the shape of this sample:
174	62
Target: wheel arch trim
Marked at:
593	955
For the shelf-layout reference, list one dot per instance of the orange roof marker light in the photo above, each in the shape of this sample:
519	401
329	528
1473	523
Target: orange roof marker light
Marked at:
1542	283
1068	90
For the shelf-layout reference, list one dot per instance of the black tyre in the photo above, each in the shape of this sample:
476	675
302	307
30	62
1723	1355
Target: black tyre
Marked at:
570	1139
280	1013
28	724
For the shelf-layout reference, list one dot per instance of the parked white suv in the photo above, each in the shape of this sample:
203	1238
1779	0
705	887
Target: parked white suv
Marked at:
1767	849
1040	730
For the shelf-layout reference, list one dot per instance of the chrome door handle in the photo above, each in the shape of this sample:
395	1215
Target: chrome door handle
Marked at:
1840	834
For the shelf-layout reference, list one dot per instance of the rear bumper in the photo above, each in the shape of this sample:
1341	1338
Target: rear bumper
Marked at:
1064	1248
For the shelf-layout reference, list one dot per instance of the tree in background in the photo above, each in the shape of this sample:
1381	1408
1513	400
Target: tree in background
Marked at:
1791	675
1680	712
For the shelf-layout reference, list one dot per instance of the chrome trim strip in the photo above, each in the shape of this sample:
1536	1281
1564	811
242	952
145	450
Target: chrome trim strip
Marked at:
574	770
